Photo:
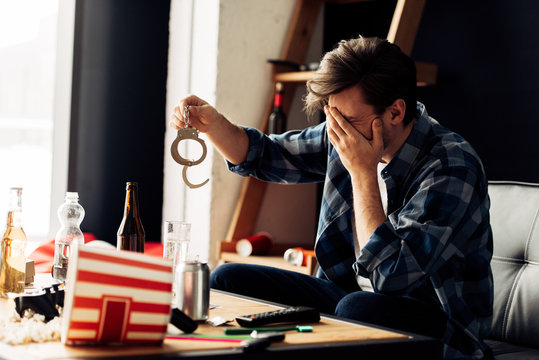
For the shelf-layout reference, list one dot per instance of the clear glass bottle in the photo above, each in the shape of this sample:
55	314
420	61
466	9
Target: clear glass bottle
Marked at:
13	259
70	214
131	234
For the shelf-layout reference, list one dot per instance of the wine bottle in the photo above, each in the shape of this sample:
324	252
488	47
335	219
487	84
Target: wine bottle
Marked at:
131	234
277	119
13	260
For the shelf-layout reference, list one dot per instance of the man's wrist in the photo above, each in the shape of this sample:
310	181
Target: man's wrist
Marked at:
364	179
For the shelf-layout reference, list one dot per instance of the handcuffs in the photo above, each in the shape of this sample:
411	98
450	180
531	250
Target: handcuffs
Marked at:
188	133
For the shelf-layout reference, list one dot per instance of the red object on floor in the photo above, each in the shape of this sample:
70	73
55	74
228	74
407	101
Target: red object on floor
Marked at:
43	255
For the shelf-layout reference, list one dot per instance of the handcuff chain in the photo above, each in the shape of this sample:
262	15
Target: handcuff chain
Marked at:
186	120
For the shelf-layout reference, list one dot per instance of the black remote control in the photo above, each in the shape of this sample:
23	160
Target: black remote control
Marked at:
297	314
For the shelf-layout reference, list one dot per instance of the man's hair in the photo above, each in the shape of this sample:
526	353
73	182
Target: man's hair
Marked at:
380	68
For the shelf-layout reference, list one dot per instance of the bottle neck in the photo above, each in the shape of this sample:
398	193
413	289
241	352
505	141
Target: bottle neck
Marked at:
14	219
14	216
131	202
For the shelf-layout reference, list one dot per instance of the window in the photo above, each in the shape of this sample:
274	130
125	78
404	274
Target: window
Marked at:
29	107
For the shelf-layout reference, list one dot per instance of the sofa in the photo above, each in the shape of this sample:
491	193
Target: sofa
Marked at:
514	217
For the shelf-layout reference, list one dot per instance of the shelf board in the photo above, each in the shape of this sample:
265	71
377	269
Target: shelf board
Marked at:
426	75
274	261
295	76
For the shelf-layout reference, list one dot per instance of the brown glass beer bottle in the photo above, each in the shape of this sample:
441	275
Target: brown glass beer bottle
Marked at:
131	233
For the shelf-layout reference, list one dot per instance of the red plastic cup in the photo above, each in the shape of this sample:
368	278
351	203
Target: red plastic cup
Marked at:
258	244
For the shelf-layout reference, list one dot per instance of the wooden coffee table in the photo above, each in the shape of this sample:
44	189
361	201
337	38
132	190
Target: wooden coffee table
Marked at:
331	338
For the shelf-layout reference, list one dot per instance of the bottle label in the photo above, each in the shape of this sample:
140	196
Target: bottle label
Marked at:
278	99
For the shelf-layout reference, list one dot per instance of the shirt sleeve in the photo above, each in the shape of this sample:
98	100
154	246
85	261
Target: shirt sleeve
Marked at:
432	227
293	157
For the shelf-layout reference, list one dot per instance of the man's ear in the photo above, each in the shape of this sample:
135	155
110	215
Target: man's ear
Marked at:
397	111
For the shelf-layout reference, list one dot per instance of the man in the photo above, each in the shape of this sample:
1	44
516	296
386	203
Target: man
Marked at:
414	256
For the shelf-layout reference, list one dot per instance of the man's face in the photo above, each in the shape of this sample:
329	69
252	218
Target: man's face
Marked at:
352	106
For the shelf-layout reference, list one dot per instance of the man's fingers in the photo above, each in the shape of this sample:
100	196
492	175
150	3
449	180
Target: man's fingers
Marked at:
176	119
192	100
343	124
174	125
194	110
333	123
332	136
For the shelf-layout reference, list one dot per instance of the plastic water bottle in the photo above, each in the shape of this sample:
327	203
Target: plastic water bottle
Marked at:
70	214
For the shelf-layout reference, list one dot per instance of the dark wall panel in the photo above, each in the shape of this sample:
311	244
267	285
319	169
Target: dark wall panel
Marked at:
488	90
118	110
488	85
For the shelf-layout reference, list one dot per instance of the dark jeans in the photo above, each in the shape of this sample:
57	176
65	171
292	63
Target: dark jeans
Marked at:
292	288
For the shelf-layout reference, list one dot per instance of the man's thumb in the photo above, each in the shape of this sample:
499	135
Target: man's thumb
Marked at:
193	109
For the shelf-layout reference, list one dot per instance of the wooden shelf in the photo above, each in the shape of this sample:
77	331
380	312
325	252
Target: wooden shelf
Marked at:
426	75
295	76
275	261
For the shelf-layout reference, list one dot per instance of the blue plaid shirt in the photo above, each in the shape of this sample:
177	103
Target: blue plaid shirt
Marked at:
436	243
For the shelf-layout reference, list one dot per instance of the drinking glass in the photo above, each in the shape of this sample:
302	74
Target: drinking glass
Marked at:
177	237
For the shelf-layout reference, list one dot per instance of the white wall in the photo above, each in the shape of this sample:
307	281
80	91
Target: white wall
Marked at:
231	41
62	109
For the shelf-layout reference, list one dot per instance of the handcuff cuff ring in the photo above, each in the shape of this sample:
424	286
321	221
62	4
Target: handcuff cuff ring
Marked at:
188	133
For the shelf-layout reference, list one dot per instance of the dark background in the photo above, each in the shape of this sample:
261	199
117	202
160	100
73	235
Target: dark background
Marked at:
118	111
487	90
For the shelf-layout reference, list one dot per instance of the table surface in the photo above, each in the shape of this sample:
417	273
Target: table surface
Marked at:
329	332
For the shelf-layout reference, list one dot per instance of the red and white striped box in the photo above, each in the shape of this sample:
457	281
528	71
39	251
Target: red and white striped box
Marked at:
116	297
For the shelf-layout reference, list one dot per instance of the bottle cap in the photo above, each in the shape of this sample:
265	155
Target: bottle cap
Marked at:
72	195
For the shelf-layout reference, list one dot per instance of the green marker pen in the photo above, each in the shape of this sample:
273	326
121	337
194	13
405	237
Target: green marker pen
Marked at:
241	331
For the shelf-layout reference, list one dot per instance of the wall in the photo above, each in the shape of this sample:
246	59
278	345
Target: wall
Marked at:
192	66
487	86
488	79
247	33
118	107
247	41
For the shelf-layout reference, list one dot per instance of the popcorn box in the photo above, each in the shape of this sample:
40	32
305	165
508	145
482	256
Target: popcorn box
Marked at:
116	297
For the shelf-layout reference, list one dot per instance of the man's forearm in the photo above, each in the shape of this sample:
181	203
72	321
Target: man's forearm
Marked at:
230	140
368	208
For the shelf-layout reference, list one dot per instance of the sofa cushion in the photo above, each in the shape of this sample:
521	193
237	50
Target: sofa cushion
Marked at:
507	351
514	217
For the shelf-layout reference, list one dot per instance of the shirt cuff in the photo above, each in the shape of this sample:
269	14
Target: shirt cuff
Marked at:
382	244
256	138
